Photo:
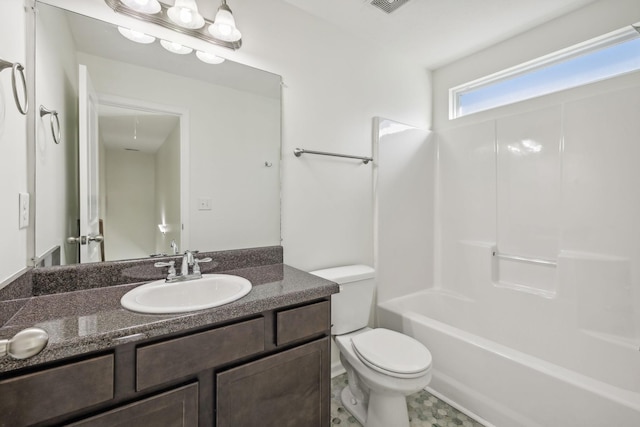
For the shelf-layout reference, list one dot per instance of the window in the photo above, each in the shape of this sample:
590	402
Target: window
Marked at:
598	59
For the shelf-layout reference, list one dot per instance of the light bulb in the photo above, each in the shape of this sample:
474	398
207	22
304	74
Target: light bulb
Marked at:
209	58
174	47
136	36
224	25
185	14
149	7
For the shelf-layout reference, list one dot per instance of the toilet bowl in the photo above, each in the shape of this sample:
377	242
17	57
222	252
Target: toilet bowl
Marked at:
383	366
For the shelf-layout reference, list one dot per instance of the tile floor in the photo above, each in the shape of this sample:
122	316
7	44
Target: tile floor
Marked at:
425	410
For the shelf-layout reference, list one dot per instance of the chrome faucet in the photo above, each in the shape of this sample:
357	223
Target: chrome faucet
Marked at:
188	260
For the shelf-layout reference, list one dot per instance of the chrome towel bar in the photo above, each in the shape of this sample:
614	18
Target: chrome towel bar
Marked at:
300	151
525	259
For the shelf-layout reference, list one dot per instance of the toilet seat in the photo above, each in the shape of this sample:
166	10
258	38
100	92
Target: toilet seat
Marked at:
392	353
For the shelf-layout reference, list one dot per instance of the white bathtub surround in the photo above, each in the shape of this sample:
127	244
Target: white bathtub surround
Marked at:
502	383
537	344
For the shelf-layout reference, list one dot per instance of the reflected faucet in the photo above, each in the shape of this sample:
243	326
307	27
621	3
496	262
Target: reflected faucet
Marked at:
187	261
174	247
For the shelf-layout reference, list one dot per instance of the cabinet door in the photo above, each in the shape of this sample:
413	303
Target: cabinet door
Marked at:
287	389
176	408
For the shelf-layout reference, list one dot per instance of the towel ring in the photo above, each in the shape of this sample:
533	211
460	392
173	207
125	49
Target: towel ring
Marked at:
15	69
55	129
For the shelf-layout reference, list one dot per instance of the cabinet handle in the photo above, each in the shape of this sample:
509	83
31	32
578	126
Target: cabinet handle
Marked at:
25	344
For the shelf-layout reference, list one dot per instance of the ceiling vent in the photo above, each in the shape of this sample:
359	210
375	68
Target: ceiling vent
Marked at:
388	5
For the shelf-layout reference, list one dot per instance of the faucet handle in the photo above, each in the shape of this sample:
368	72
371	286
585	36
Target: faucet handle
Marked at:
196	266
170	264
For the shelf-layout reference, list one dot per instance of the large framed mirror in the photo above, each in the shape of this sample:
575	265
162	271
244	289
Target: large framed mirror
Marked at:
158	152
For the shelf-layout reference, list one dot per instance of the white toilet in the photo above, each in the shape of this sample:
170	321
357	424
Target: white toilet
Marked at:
383	366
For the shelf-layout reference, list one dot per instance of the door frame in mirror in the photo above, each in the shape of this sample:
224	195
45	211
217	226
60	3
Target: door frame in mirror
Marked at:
183	114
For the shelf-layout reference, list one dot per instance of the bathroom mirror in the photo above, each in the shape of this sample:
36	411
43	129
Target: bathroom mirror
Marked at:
184	154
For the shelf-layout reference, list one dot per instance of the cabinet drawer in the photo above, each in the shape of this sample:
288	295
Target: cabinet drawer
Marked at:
303	322
181	357
174	408
36	397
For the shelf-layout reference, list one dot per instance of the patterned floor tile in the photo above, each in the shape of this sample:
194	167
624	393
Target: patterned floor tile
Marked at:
425	410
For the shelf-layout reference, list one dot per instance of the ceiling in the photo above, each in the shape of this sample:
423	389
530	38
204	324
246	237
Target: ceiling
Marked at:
128	129
436	32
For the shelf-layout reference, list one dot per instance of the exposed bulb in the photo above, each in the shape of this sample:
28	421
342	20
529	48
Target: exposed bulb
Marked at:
209	58
174	47
150	7
224	25
185	14
136	36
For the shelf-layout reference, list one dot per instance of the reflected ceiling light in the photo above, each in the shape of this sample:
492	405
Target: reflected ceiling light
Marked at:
185	14
174	47
209	58
148	7
183	17
136	36
224	25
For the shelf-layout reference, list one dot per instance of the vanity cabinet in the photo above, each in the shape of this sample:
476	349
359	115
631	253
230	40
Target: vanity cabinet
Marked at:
268	370
286	389
177	408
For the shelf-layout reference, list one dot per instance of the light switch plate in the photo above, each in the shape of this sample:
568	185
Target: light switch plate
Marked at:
23	202
204	204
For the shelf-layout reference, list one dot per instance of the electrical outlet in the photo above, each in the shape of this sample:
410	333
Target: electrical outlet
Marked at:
23	202
204	204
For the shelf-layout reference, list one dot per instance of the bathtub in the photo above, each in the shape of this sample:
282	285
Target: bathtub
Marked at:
514	362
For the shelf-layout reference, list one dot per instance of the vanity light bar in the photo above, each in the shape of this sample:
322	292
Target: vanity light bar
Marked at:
162	18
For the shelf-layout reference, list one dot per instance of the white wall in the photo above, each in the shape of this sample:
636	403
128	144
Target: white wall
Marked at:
13	143
129	222
334	84
168	191
56	164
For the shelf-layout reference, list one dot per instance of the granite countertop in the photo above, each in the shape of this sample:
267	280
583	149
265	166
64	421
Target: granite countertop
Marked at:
91	320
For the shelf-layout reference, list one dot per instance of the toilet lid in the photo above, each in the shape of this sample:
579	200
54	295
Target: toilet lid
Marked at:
391	352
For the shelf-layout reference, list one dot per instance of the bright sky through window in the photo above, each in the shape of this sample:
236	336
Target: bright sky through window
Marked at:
569	71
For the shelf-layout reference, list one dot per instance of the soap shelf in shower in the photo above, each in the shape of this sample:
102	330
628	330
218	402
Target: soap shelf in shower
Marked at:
539	261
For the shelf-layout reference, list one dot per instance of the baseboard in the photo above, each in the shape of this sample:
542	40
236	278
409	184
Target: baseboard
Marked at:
337	369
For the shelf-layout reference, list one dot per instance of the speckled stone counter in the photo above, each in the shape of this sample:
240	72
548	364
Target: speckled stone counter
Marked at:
90	320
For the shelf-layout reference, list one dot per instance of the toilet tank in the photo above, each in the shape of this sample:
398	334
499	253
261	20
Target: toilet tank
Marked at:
351	307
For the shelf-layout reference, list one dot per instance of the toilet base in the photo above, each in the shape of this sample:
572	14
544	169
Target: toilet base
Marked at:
356	408
385	410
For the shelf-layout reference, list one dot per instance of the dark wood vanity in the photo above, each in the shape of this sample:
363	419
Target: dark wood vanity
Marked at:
269	369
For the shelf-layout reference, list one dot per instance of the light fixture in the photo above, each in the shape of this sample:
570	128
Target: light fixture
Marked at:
163	228
136	36
209	58
185	14
184	18
149	7
224	25
174	47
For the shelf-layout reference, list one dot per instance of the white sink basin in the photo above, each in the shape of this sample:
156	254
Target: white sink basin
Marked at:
212	290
